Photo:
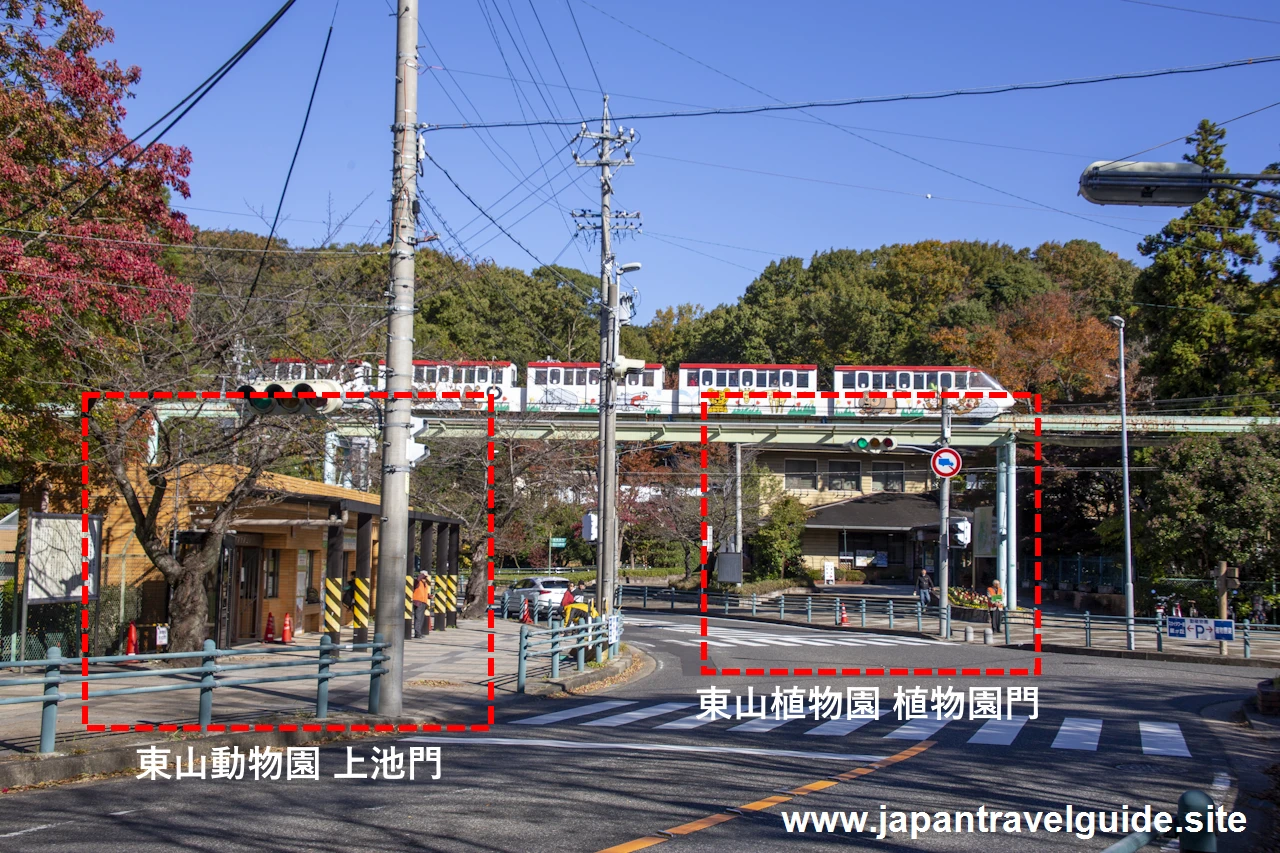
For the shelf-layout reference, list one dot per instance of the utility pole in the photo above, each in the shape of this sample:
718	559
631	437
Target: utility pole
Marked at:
393	536
944	536
737	493
605	142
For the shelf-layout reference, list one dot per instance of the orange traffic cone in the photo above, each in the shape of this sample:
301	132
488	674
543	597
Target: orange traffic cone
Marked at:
131	640
286	631
524	611
270	635
844	615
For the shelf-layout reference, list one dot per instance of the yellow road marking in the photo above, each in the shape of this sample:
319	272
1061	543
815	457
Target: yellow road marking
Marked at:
768	802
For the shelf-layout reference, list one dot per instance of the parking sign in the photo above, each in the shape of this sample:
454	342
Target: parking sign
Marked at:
1204	630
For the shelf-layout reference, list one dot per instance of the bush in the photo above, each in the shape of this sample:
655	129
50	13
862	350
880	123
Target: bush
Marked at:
842	575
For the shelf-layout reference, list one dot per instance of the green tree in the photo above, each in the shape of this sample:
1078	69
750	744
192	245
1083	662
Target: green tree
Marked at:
777	545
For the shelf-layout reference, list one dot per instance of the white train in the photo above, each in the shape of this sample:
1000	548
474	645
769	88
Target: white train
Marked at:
734	390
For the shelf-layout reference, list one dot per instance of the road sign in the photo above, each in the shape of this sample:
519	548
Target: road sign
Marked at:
828	572
614	623
559	541
1181	628
945	462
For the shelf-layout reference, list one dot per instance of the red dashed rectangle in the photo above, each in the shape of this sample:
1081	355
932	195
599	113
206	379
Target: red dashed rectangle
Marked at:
86	401
1033	399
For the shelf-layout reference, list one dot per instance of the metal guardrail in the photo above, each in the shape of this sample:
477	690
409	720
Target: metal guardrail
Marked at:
207	673
1202	841
907	613
559	641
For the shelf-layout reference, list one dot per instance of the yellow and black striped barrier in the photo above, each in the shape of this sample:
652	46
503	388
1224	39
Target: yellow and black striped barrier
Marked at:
332	605
360	612
445	602
408	607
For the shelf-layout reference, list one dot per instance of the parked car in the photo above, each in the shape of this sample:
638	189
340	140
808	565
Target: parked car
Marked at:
543	595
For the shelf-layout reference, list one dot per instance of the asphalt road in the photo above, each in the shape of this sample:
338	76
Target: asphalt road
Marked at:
623	765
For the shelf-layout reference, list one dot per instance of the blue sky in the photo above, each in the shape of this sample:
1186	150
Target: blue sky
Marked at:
707	229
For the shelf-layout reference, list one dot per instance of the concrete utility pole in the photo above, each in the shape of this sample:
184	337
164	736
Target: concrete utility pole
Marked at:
1118	322
737	493
944	536
607	545
393	535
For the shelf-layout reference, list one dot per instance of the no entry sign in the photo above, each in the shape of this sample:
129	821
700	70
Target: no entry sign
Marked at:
945	462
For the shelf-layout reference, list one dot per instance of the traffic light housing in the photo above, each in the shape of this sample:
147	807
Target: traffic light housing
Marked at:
623	365
293	398
960	532
874	444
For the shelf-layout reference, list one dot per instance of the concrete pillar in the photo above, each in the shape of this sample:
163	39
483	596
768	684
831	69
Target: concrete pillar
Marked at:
410	578
364	574
1002	520
455	535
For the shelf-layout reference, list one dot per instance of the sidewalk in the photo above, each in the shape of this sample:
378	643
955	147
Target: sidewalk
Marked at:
446	681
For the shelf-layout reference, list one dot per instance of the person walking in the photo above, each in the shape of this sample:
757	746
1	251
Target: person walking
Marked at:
995	595
421	601
924	588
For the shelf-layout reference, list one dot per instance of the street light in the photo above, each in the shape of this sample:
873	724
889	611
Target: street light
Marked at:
1118	322
1162	184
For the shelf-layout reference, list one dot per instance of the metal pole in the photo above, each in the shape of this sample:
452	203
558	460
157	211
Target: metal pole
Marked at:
1128	534
944	540
49	711
737	496
393	536
1011	514
207	684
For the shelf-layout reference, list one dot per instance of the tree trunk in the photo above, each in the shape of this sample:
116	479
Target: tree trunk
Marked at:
189	613
476	600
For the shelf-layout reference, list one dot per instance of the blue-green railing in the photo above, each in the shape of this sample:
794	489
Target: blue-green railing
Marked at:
205	677
560	641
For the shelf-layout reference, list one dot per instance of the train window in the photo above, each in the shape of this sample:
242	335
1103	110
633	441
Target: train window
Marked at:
982	380
482	374
593	377
469	375
633	379
944	381
707	378
802	380
931	380
846	380
863	380
555	376
748	378
904	380
540	377
773	379
788	378
444	374
733	379
919	381
691	378
429	374
648	379
877	382
582	377
962	381
722	377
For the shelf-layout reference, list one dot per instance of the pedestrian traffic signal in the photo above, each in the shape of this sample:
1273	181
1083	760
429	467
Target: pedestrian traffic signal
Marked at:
960	531
313	397
873	444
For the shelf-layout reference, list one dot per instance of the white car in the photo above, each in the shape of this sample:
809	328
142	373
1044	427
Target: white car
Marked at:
543	594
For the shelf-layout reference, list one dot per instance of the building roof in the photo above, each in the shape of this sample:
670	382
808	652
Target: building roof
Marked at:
880	511
299	489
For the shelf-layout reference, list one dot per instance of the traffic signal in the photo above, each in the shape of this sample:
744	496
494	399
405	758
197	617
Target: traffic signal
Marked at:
1229	579
293	398
874	444
960	531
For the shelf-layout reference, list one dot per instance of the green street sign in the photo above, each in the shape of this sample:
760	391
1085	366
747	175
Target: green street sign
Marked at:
559	542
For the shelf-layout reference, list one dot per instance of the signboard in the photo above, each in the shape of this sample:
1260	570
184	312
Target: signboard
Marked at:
162	635
863	559
54	552
559	541
1181	628
614	621
828	572
945	462
984	532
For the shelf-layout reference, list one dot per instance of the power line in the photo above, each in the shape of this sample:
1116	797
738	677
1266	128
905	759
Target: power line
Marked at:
590	62
881	99
1200	12
191	246
533	8
302	132
1183	137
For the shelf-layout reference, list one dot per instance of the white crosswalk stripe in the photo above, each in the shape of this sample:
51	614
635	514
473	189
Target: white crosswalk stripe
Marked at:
1078	733
639	714
999	732
1163	739
723	637
1072	733
570	713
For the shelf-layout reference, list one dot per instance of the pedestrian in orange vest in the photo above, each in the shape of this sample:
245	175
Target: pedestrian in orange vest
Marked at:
421	600
996	595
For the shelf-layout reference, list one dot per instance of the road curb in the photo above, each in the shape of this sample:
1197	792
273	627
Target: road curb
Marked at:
578	680
1167	657
60	767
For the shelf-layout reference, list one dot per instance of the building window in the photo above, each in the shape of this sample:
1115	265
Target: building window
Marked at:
801	473
897	550
888	476
271	575
844	476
